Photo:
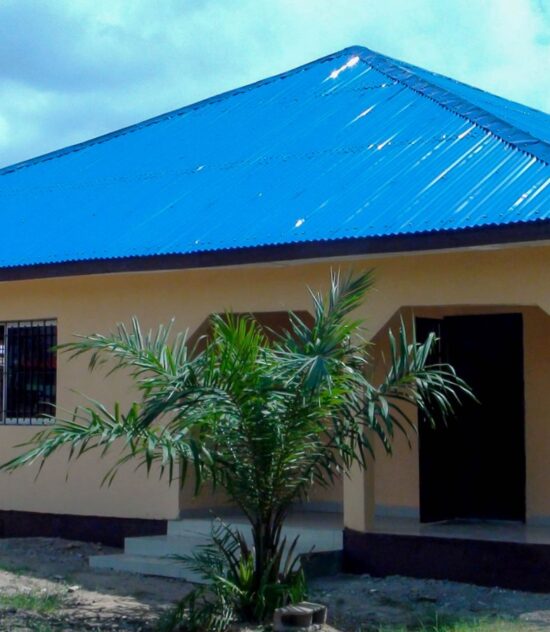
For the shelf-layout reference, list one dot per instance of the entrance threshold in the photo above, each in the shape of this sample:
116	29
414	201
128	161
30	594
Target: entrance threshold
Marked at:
496	531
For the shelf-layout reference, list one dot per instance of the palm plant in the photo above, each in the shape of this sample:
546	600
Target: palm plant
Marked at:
262	416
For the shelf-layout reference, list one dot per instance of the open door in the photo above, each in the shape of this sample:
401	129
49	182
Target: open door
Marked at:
473	467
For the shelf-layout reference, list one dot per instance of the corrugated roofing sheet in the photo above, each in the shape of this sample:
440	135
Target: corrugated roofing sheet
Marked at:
522	117
352	145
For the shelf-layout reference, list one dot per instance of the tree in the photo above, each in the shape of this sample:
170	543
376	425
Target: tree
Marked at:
263	417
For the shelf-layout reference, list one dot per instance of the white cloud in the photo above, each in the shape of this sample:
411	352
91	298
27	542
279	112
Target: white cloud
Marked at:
73	69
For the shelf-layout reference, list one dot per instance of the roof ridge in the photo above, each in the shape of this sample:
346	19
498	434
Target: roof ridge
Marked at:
392	68
416	69
128	129
507	132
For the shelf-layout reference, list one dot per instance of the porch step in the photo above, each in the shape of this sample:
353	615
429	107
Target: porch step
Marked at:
199	526
144	565
163	545
316	537
155	555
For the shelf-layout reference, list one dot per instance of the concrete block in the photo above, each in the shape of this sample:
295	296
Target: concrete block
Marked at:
304	617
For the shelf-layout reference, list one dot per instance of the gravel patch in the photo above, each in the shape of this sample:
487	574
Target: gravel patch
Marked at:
368	603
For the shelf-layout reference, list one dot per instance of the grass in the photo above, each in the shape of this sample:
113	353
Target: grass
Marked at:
38	626
16	570
41	603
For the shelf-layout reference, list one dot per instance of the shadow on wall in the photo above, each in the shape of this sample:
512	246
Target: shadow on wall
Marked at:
321	499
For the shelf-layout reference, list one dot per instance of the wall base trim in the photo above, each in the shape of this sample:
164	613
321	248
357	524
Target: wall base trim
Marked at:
519	566
319	506
396	511
110	531
538	521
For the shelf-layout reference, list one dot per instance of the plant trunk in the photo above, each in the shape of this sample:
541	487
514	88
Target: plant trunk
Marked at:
266	531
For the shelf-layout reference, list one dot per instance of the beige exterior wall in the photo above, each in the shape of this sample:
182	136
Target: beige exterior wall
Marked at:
469	279
397	476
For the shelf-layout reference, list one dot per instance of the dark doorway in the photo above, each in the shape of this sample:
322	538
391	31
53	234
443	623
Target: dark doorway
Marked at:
473	467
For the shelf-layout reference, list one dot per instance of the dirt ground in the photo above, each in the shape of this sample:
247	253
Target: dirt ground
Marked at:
84	599
46	585
368	603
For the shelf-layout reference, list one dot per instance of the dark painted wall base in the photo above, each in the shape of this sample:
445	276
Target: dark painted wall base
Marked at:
108	531
506	564
322	564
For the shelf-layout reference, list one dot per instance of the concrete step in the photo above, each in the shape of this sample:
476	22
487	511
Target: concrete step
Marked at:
195	526
169	545
317	537
154	555
144	565
163	545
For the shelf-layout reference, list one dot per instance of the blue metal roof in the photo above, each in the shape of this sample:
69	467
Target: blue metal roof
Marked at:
534	122
350	146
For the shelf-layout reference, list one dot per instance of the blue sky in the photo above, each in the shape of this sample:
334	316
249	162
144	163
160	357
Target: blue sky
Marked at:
74	69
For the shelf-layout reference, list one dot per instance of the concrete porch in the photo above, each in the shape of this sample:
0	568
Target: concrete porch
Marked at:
505	554
495	531
319	532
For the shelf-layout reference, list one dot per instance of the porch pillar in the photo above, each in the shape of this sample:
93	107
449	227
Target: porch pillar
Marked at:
359	501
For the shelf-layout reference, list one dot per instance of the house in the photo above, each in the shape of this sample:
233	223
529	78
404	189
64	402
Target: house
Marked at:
354	161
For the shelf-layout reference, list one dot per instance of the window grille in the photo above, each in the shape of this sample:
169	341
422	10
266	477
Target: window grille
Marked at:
28	366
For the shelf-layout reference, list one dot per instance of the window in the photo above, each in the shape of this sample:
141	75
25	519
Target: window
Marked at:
27	371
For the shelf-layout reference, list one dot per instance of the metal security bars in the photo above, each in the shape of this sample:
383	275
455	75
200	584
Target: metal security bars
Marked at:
28	365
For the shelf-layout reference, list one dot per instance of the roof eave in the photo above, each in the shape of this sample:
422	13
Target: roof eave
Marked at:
418	243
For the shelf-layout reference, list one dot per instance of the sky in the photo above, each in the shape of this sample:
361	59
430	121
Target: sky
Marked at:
74	69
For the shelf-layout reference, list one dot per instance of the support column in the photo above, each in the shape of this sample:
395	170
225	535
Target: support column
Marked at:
358	492
359	501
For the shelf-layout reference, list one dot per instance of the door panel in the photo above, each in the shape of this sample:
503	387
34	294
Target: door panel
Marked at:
478	459
436	473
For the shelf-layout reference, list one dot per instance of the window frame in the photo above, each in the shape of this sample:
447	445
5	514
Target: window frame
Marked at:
4	379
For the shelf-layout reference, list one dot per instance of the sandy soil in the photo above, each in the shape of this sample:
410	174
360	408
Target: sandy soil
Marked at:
90	599
87	599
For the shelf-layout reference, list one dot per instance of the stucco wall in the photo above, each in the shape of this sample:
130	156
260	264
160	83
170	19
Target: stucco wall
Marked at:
508	277
89	304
